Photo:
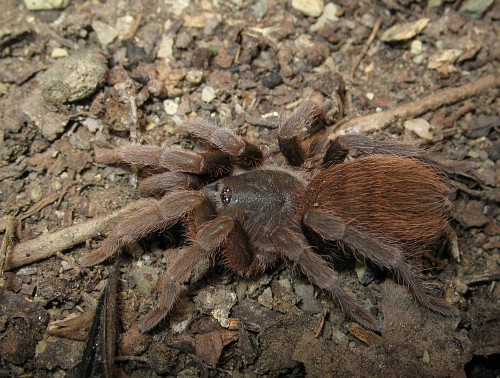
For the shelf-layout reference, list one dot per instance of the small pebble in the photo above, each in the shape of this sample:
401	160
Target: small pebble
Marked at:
420	127
426	357
272	80
74	78
105	33
170	107
475	7
124	26
266	298
208	94
416	47
312	8
329	15
27	271
194	76
46	4
59	53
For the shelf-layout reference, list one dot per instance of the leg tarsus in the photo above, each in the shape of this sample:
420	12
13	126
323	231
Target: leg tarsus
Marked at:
290	141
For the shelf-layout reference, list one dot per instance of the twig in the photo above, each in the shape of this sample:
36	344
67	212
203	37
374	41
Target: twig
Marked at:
10	226
133	126
491	195
369	41
47	245
480	279
40	205
413	109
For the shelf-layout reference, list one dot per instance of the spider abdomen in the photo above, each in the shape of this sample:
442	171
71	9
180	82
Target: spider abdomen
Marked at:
388	197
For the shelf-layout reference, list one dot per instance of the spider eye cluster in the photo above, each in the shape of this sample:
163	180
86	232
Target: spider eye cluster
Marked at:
225	195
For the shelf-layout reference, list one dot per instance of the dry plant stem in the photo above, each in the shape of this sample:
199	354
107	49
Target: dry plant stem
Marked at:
10	226
491	195
371	38
377	121
40	205
47	245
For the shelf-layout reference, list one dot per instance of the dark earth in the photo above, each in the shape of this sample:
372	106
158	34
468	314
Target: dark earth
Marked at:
80	75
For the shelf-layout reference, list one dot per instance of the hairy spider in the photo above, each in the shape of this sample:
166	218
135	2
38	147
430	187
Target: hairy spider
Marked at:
385	206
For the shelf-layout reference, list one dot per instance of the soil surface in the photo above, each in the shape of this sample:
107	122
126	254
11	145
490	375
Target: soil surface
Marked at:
95	75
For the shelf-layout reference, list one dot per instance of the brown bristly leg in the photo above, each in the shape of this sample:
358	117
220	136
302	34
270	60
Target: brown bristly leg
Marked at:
159	184
364	145
381	253
289	133
295	248
245	153
163	214
211	236
168	158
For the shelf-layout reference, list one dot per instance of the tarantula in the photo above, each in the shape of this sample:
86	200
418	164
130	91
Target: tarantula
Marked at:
385	206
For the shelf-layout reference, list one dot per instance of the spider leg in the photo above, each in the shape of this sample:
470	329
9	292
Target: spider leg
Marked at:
159	184
382	253
246	154
291	143
213	163
211	236
363	145
295	248
165	213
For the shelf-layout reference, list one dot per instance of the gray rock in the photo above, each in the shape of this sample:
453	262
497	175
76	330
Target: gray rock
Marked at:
74	78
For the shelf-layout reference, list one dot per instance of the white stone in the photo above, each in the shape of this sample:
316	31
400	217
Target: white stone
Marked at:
165	48
312	8
208	94
420	127
170	107
46	4
59	53
329	15
105	32
416	47
124	25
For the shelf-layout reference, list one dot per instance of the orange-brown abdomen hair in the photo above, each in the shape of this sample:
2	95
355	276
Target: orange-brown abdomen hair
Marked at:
387	197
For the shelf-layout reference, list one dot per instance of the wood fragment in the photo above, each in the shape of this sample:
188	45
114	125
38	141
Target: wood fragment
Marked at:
74	327
481	279
321	323
378	121
452	239
98	358
47	245
491	195
40	205
368	337
7	243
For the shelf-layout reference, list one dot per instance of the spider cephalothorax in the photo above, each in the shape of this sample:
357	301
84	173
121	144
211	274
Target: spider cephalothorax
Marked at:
384	206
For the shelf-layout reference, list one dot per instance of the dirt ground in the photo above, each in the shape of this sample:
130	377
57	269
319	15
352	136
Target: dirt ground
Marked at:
97	74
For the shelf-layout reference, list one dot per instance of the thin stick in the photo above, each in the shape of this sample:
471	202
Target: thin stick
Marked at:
369	41
8	240
47	245
413	109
